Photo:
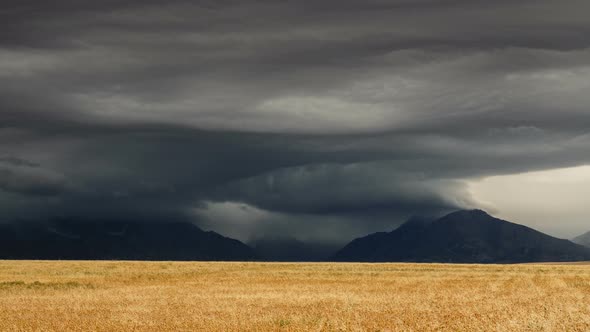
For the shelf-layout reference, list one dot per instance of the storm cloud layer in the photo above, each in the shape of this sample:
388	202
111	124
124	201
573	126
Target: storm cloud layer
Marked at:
322	119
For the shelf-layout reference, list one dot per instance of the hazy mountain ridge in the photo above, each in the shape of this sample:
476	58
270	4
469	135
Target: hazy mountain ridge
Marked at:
583	239
462	237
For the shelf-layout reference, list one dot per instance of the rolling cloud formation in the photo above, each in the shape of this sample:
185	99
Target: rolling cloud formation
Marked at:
322	119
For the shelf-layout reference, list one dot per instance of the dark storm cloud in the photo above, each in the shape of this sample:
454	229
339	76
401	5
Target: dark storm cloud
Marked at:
312	113
27	178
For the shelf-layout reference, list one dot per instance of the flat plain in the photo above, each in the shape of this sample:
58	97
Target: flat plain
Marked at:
215	296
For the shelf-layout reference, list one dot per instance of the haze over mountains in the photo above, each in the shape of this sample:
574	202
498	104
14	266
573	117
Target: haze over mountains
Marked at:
583	239
468	236
290	249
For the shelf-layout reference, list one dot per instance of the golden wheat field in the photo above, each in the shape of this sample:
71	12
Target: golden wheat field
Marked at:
187	296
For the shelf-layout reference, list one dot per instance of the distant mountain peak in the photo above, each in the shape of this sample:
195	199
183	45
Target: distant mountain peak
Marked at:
473	213
465	236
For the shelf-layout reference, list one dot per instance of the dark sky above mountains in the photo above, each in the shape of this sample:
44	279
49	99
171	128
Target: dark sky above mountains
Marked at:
321	119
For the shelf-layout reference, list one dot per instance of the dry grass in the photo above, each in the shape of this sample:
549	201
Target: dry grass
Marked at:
166	296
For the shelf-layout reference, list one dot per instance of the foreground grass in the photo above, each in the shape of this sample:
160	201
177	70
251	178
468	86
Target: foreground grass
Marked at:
173	296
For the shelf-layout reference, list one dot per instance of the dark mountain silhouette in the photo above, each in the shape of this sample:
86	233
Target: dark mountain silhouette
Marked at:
67	239
462	237
583	239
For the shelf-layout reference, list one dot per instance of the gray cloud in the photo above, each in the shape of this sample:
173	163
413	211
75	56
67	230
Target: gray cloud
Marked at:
24	177
311	113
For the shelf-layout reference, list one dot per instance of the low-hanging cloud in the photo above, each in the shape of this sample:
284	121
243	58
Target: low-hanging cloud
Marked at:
22	177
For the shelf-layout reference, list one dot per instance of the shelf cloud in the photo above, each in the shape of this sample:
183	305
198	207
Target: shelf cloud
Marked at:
312	116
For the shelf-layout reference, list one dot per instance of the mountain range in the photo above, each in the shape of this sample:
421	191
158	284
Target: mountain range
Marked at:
468	236
68	239
471	236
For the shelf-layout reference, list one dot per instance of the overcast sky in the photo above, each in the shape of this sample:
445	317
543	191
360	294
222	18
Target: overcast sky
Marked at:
324	120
